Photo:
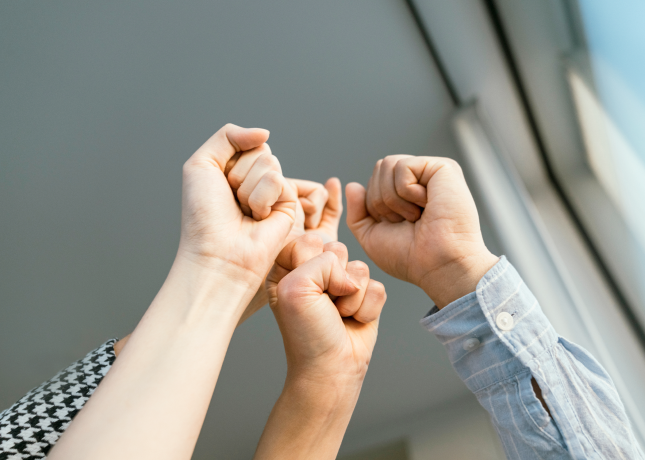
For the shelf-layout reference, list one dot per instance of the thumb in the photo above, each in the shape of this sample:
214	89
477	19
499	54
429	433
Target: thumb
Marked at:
323	273
299	251
336	280
359	220
334	206
229	140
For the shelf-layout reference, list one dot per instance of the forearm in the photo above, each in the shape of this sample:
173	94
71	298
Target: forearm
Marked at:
308	420
154	399
259	300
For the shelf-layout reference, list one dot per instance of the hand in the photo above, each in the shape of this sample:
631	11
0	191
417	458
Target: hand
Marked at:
215	230
418	222
328	311
318	211
321	207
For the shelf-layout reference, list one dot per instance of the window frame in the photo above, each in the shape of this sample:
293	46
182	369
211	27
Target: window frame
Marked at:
507	55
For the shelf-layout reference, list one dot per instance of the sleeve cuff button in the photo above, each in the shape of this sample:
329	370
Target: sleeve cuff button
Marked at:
505	321
471	344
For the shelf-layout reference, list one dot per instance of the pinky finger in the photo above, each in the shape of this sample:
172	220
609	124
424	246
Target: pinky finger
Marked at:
372	304
265	194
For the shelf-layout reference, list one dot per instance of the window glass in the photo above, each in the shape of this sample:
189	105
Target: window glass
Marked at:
608	85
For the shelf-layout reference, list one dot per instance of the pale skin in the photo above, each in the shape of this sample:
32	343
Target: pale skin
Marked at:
318	212
327	309
416	220
179	346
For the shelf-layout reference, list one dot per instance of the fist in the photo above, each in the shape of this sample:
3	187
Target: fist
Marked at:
215	231
418	222
327	309
318	208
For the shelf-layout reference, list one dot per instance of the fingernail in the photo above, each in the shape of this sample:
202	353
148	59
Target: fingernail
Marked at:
353	283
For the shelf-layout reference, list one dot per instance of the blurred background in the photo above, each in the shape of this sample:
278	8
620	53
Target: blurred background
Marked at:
101	104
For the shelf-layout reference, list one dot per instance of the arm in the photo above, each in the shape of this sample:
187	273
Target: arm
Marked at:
153	401
328	346
30	425
547	397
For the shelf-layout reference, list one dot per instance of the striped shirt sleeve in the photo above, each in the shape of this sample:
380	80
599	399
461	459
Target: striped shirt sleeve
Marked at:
498	339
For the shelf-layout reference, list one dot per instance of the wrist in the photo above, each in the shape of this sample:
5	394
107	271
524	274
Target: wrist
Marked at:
210	288
322	403
309	419
324	394
457	278
219	267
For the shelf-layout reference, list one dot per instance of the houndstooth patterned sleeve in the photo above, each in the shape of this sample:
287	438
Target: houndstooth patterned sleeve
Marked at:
30	427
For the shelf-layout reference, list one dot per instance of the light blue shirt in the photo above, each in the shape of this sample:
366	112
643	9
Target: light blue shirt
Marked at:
498	338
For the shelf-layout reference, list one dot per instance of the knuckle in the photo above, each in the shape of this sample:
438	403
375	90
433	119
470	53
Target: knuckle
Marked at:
378	290
329	257
389	199
243	195
264	158
343	310
265	148
273	177
336	246
381	206
364	317
390	160
451	163
235	179
359	267
268	159
401	165
195	163
256	202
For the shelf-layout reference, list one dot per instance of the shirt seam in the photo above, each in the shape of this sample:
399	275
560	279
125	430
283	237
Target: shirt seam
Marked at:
575	415
506	379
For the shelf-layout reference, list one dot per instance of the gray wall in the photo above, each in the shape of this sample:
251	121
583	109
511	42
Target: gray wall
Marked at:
101	103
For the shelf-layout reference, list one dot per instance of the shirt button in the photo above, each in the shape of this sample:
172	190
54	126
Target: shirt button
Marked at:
471	344
505	321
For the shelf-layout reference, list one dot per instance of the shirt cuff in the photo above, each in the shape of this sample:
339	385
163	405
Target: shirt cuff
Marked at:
494	333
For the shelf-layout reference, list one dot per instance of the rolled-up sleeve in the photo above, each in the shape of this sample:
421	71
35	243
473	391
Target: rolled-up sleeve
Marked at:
498	340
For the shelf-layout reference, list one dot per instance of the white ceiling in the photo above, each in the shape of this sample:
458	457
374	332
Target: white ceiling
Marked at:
102	102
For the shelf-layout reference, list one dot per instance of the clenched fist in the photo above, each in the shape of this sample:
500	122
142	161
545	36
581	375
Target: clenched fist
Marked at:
318	209
327	309
215	231
418	222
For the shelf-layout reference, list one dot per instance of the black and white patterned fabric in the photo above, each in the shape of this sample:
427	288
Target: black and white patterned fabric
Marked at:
30	427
